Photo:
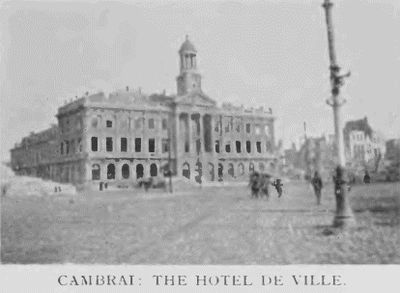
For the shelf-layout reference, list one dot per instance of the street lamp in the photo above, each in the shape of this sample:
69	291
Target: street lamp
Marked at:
344	215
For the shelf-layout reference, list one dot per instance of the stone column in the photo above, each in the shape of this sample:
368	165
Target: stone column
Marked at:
201	135
212	125
175	136
190	126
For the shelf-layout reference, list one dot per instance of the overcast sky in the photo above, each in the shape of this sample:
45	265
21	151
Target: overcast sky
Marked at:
271	53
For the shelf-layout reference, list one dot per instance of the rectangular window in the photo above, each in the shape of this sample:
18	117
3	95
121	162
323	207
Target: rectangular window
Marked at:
62	148
109	123
138	145
258	145
248	128
248	146
165	145
164	124
151	123
152	145
217	146
109	144
67	147
124	144
94	142
228	148
238	147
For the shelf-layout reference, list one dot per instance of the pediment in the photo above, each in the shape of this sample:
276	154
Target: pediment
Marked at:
195	99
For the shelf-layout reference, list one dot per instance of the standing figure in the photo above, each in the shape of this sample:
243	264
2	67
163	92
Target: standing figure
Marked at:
254	184
264	184
316	182
367	178
278	186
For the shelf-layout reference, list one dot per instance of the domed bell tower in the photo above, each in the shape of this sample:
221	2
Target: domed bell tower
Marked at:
189	78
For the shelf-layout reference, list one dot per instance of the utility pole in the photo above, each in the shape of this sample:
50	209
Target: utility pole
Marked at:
344	215
307	153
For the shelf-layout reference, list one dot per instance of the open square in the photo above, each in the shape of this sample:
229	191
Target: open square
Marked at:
209	225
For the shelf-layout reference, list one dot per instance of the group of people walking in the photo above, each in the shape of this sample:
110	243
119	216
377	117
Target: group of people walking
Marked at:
260	182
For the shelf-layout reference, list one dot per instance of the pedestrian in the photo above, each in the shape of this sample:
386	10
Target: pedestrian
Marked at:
367	178
254	184
264	185
278	186
316	182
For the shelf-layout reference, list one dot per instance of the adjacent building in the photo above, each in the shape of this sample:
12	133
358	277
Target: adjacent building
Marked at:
363	145
127	135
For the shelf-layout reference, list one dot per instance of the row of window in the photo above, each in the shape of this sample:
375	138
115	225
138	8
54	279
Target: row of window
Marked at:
238	147
137	123
71	123
229	128
164	124
358	136
125	171
71	146
124	144
186	171
165	145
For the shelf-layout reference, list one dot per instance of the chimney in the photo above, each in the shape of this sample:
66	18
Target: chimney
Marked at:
127	88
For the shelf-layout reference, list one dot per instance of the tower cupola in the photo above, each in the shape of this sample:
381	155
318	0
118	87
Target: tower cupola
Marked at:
189	79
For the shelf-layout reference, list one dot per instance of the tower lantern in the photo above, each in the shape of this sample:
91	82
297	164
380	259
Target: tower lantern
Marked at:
189	78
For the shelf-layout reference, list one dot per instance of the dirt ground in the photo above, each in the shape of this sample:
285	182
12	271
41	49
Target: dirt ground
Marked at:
203	226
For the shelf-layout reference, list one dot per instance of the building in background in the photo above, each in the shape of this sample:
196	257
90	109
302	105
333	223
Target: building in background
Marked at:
364	147
126	135
314	154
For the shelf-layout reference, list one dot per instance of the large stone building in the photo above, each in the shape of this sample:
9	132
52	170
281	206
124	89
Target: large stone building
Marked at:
119	138
363	146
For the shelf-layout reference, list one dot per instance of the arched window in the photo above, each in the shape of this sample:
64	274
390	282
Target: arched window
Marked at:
211	171
111	171
139	171
231	170
241	169
220	172
153	170
95	172
186	170
251	167
125	171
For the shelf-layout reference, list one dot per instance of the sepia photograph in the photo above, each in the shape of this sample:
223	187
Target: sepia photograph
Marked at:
200	132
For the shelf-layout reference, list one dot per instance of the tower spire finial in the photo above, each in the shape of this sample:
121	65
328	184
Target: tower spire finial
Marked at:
187	37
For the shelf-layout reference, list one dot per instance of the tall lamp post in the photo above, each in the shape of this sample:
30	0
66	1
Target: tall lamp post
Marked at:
344	215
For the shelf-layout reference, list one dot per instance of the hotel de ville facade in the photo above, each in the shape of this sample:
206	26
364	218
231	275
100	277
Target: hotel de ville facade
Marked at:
127	135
